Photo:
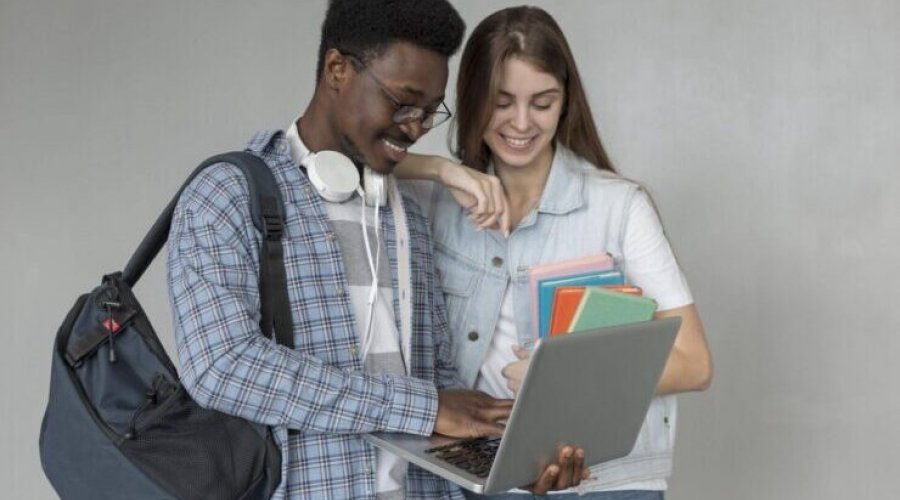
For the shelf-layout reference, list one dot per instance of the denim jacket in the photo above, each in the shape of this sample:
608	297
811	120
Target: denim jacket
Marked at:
583	211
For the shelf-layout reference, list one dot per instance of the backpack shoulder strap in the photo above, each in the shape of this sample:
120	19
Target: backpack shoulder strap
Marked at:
267	212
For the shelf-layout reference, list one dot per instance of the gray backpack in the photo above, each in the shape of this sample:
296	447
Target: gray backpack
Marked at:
118	422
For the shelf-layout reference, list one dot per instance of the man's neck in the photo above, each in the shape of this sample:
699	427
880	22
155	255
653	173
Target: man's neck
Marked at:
316	130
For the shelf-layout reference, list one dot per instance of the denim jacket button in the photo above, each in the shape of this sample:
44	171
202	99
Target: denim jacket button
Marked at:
473	335
497	261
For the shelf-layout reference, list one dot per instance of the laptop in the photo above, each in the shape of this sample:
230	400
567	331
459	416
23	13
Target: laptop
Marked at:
589	389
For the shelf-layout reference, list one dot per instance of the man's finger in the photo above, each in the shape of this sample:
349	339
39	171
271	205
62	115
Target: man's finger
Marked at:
479	429
501	403
546	480
564	478
579	471
493	414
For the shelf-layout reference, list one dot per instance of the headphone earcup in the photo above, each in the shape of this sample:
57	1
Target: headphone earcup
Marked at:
332	174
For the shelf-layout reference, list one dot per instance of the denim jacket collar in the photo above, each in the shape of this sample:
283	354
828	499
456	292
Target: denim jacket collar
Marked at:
564	190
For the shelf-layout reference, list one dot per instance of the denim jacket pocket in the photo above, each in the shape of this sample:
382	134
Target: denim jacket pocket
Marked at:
458	280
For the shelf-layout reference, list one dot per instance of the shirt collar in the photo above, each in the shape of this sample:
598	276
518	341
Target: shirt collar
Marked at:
298	150
270	142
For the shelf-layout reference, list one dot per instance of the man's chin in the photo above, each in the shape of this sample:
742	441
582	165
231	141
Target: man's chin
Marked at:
383	166
384	170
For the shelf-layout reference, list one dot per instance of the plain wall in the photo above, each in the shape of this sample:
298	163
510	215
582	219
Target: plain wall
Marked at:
766	130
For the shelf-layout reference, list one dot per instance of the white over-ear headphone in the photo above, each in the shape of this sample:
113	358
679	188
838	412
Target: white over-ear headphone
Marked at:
335	177
332	174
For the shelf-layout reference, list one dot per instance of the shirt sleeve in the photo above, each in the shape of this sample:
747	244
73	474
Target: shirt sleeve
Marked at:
648	258
229	366
422	192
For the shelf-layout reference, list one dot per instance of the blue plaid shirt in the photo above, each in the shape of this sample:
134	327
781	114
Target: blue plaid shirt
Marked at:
318	388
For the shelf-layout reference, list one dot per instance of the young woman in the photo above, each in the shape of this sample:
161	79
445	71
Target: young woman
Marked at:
525	124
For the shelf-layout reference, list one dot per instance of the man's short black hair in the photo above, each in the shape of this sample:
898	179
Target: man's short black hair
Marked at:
367	27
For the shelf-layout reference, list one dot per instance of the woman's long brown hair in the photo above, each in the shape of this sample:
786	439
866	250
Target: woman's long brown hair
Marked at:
531	34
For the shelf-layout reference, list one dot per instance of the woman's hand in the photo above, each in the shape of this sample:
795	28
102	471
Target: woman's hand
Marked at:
515	371
480	194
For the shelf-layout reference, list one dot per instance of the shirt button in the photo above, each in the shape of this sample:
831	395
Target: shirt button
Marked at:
497	261
353	350
330	236
367	469
339	290
473	335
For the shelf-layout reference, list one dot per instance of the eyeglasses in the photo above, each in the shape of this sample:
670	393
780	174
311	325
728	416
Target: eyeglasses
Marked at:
404	113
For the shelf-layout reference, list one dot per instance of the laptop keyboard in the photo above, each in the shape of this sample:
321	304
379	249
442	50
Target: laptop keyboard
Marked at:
473	455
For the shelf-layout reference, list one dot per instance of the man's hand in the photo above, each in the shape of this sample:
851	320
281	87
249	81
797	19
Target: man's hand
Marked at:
480	194
468	414
568	471
515	371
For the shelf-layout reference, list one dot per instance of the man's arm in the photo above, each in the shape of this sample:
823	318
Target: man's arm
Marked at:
229	366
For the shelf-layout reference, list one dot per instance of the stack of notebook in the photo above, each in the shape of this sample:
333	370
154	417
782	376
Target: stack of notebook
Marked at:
584	293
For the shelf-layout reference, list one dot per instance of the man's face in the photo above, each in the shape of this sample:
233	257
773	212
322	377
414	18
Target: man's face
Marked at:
406	73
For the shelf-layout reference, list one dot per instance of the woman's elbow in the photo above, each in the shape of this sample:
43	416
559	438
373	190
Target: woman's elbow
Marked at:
703	374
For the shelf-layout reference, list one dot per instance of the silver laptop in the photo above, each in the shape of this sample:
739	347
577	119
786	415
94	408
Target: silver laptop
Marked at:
589	389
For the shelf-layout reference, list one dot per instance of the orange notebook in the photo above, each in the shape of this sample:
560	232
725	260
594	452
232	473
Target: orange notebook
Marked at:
565	303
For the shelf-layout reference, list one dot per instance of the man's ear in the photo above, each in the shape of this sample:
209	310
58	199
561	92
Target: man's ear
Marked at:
337	69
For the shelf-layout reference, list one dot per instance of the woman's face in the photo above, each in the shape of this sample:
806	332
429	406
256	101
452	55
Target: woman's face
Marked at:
529	104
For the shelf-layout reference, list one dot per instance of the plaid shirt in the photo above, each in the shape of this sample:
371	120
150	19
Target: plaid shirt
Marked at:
318	389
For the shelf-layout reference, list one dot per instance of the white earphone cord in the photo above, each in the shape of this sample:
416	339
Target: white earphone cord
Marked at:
373	266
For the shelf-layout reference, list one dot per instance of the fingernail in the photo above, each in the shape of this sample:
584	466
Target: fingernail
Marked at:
579	453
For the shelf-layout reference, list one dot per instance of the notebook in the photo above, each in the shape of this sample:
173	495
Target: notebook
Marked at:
600	308
581	265
565	303
546	287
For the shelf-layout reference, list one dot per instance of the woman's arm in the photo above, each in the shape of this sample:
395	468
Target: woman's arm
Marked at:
480	194
421	167
689	367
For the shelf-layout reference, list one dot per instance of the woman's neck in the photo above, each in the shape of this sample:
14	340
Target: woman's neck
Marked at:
524	185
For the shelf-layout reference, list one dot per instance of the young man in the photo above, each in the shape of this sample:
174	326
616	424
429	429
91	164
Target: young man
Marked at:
370	354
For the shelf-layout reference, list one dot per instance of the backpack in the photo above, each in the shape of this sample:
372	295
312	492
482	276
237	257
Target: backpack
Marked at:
119	424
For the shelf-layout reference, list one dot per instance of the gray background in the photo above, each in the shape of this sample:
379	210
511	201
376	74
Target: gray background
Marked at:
767	131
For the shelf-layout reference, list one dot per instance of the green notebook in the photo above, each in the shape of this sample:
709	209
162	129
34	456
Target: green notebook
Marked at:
600	307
